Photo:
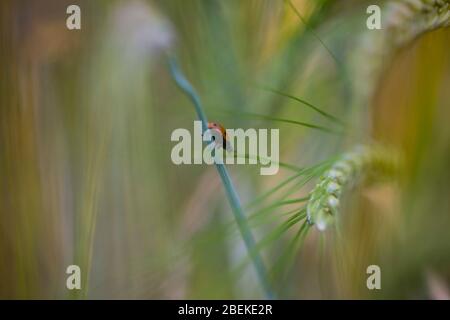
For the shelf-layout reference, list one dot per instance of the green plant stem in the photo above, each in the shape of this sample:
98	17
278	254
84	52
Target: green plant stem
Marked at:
232	195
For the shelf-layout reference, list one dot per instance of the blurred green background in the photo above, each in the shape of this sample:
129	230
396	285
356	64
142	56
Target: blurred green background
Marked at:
86	176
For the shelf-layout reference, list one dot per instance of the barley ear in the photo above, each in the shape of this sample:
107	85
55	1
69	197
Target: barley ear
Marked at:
324	203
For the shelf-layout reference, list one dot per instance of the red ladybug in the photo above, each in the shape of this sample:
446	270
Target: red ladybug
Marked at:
221	130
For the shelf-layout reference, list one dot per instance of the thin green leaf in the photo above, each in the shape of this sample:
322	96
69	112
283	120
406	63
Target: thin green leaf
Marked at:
312	30
300	123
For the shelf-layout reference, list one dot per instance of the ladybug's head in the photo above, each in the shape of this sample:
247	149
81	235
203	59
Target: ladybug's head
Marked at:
212	125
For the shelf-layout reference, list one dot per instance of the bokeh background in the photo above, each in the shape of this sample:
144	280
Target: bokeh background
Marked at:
86	176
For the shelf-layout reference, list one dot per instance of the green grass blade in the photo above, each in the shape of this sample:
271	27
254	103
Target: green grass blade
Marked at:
232	195
276	119
312	30
306	103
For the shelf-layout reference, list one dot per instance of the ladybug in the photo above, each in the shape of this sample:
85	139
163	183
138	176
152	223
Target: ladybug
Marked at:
217	128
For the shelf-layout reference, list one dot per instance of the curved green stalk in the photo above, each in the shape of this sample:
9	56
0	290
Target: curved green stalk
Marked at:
232	195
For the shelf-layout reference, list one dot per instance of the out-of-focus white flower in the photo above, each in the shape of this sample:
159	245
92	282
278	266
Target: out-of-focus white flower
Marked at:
140	30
